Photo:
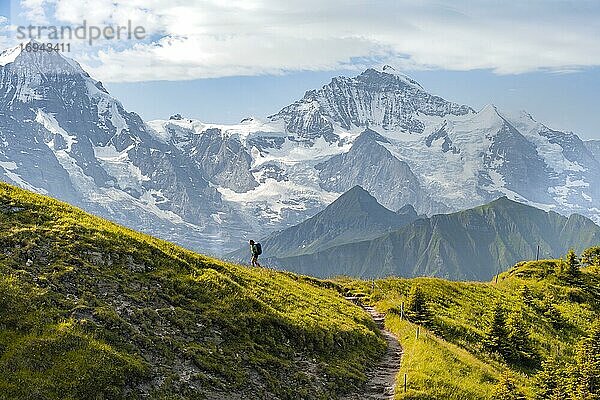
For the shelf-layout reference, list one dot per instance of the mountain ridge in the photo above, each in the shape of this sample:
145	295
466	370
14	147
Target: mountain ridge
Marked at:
469	245
355	214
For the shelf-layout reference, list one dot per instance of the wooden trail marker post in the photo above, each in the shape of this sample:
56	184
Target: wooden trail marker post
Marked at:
404	383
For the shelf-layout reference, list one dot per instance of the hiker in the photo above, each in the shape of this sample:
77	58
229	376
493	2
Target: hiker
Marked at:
255	250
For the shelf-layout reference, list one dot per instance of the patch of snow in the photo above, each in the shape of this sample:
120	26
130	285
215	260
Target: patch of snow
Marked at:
8	165
576	183
158	129
572	187
9	55
108	109
449	177
51	124
119	166
292	152
498	185
217	217
9	170
150	201
274	197
595	215
27	94
248	128
117	119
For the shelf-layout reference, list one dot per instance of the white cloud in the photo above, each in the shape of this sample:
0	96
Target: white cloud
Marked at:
34	11
211	38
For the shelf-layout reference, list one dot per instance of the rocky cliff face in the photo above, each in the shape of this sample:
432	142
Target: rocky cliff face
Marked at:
372	166
594	147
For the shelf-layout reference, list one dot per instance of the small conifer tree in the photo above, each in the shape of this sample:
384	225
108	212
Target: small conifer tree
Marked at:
571	265
496	337
551	383
506	389
526	295
416	307
522	350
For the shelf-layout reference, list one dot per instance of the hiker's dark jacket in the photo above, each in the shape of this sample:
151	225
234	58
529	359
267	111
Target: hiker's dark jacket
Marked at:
253	249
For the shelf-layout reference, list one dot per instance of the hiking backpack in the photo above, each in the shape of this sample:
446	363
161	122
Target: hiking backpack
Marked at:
258	249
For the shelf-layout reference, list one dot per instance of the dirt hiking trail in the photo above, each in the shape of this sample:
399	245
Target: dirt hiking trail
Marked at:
381	380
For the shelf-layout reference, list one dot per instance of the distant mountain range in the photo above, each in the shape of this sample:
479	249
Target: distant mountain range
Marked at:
469	245
211	187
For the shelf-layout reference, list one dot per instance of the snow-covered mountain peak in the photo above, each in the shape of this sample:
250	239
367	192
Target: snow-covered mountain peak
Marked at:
391	71
39	85
488	116
33	70
10	55
39	60
380	98
33	58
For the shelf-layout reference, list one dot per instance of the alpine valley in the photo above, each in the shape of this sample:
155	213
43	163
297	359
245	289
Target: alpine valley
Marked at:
356	236
210	187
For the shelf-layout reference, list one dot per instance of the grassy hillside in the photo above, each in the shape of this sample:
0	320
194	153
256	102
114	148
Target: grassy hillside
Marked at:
547	313
89	309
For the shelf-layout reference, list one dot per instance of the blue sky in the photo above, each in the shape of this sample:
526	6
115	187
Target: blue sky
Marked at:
221	61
